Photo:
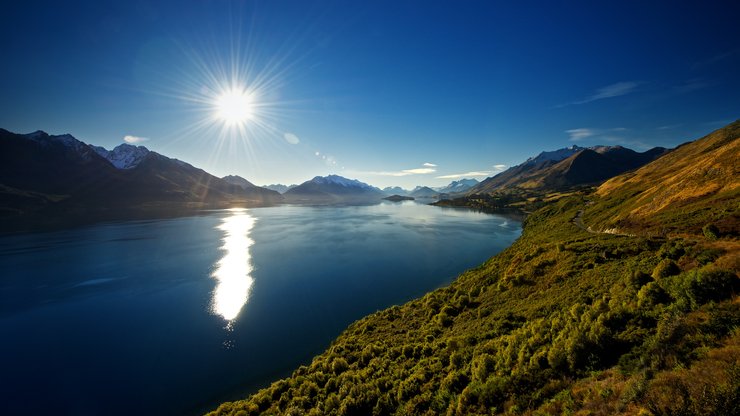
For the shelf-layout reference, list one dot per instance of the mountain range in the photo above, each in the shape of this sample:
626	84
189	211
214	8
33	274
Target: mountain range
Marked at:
278	187
423	192
456	187
568	167
333	189
45	175
42	174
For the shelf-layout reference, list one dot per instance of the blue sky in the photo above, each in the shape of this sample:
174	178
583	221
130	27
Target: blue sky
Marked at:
388	92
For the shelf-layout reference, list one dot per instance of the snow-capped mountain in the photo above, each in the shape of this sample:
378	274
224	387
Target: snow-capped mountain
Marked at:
333	189
279	187
342	181
123	156
555	155
53	176
457	186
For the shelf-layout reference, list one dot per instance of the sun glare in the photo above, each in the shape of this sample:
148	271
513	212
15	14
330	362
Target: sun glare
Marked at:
234	106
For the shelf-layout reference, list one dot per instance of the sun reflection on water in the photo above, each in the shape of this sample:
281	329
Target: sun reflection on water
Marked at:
233	270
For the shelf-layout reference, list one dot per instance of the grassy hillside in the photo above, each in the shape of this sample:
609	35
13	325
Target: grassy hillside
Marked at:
563	321
695	185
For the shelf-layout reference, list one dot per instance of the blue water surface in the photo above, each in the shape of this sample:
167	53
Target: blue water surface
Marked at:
174	316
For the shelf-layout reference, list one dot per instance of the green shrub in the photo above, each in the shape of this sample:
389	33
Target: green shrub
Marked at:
639	279
651	294
483	366
339	365
665	268
711	232
712	285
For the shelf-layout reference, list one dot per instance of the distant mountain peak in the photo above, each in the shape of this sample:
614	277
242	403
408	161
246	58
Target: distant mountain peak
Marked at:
424	192
555	155
340	180
123	156
66	141
36	135
395	190
278	187
333	189
461	185
44	137
238	181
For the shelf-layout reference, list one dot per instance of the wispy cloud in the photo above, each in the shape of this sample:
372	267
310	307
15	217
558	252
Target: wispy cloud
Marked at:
613	136
429	165
609	91
134	139
466	175
500	167
579	134
403	172
291	138
582	133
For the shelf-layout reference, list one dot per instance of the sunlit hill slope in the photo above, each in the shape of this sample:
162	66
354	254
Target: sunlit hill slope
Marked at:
696	184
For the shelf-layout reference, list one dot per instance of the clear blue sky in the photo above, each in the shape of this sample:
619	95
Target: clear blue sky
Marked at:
370	90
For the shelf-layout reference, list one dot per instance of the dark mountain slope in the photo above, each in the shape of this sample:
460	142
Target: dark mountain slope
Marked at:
44	177
578	166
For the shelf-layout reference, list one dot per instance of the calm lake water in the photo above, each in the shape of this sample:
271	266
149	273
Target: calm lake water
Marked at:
174	316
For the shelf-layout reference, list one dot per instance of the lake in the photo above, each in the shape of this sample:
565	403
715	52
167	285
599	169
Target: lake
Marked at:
174	316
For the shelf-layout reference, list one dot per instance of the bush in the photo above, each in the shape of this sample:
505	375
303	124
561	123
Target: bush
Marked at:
665	268
711	232
651	294
483	366
639	279
339	365
712	285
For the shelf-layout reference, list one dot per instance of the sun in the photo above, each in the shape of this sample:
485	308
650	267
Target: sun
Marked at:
235	106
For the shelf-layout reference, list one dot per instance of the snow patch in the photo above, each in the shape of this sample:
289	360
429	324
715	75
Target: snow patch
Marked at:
124	156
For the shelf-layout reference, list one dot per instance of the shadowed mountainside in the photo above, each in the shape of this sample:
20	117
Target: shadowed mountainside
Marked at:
44	177
582	167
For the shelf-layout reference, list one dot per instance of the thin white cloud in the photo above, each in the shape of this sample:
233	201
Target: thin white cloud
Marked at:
404	172
580	134
609	91
418	171
291	138
134	139
429	165
466	175
500	167
616	135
